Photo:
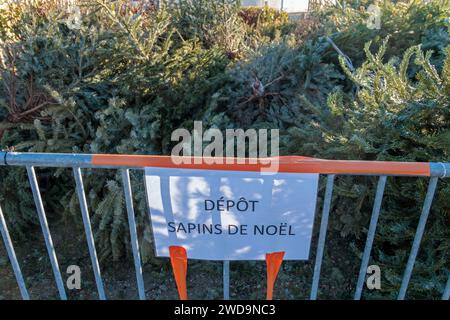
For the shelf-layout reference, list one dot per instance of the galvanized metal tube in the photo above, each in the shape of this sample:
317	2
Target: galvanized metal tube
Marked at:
12	257
418	237
46	232
446	293
440	169
322	235
133	232
226	280
370	236
290	164
46	159
88	231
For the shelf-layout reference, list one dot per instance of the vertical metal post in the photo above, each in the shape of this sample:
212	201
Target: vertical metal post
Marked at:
226	280
418	237
133	232
88	231
12	257
322	235
46	232
446	293
370	236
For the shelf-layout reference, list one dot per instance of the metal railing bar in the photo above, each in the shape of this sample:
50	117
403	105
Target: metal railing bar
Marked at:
12	257
226	280
133	232
446	293
88	231
46	231
322	235
295	164
370	236
418	237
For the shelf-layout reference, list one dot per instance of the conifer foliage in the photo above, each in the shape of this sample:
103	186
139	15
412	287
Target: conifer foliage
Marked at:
103	76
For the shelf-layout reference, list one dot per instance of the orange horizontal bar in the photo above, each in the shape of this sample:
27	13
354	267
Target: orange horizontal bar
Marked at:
279	164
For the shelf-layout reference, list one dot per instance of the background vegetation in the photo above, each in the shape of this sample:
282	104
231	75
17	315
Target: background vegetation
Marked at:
119	77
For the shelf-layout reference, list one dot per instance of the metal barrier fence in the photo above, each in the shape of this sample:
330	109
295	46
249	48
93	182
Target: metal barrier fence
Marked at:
290	164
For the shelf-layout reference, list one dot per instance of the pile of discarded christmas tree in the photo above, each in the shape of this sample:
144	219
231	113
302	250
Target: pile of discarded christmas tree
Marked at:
119	76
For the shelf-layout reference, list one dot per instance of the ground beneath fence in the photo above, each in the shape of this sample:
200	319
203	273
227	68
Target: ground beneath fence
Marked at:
247	279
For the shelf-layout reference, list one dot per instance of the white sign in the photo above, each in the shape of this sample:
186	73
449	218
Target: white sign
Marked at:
231	215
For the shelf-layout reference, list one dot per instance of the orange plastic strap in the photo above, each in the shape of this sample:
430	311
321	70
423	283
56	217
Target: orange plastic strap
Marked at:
284	164
178	258
273	261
